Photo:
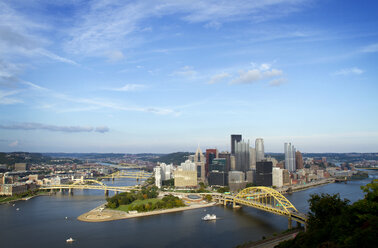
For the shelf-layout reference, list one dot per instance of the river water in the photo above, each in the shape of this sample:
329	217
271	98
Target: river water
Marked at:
40	222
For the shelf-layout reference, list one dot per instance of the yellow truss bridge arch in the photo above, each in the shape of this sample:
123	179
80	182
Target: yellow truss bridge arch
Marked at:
93	184
269	200
139	175
89	181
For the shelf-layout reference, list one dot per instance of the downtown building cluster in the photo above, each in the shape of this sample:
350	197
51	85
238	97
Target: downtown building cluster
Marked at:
244	165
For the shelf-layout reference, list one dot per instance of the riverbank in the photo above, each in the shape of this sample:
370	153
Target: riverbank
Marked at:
102	214
12	199
296	188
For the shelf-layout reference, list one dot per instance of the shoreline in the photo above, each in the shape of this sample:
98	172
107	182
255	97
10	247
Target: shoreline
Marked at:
25	198
98	215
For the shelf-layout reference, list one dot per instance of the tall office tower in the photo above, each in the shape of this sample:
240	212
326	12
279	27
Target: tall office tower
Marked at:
158	179
264	173
199	160
252	158
227	156
233	163
259	146
289	157
235	138
242	156
299	160
198	156
210	155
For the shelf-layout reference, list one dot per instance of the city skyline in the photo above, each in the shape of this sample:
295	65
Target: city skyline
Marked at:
165	76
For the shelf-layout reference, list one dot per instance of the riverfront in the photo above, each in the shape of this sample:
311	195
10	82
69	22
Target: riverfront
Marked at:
46	215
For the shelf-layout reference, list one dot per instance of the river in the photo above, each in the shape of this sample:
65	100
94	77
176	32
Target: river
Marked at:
40	222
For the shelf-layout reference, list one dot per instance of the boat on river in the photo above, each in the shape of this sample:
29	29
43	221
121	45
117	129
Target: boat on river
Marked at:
70	240
210	217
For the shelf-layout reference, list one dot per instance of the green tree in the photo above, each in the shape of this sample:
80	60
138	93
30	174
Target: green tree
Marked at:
334	222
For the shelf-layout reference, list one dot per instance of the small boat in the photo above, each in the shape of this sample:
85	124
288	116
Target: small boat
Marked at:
210	217
14	205
66	217
70	240
17	209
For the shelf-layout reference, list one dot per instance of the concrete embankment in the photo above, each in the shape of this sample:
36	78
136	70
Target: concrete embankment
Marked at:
101	214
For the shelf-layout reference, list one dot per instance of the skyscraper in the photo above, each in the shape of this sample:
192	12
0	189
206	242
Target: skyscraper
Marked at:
259	146
227	156
264	173
299	160
289	157
242	156
235	138
210	155
252	158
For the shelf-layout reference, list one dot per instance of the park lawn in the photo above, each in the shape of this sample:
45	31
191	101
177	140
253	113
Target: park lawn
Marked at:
128	207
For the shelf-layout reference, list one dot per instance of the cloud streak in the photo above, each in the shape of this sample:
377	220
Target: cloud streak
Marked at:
53	128
255	75
349	71
129	87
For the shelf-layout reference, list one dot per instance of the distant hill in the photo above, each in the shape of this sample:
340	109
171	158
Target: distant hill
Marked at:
176	158
22	157
85	155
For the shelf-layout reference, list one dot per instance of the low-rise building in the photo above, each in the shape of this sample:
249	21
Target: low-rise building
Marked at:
185	178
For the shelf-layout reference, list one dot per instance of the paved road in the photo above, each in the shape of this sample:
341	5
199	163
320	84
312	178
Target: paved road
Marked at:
273	242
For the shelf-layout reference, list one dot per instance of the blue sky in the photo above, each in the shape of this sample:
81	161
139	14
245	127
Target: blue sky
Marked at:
165	76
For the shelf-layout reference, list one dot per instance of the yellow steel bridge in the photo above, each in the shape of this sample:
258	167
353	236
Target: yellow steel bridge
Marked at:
266	199
138	175
91	184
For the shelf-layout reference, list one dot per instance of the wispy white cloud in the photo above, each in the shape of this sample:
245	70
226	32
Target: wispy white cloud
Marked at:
247	77
186	71
13	143
349	71
277	82
90	104
218	77
373	48
129	87
21	35
115	56
257	74
53	128
7	97
108	24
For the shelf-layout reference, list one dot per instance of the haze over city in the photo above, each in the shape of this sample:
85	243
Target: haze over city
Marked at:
165	76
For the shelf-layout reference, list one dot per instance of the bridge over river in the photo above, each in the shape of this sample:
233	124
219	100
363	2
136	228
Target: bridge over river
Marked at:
266	199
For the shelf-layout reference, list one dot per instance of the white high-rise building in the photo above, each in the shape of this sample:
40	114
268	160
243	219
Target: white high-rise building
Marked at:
158	179
290	157
259	146
166	171
187	166
277	177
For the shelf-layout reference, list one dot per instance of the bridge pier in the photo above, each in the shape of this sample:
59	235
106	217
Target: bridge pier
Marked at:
290	223
106	192
60	190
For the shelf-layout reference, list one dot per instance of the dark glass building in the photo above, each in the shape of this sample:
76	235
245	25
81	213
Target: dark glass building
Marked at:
218	164
218	178
210	155
264	173
235	138
227	156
